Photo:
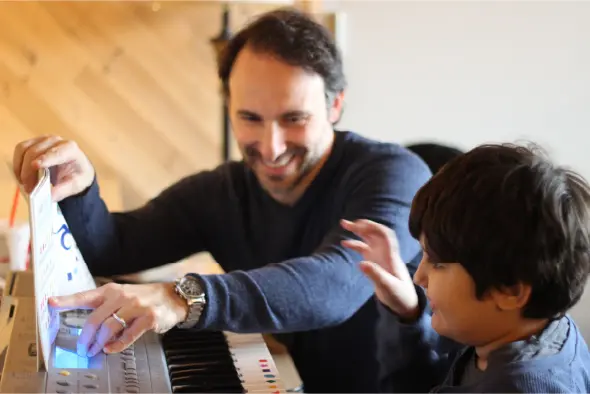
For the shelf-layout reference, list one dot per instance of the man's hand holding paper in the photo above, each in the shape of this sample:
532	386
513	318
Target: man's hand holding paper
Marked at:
73	171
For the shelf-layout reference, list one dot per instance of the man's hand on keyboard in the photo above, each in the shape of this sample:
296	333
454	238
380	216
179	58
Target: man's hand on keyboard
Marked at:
122	313
384	266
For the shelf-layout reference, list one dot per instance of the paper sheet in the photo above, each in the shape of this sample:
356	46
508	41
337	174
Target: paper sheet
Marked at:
58	266
72	274
41	212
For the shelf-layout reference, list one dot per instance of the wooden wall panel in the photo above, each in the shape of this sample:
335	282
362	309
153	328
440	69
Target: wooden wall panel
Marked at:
134	83
309	6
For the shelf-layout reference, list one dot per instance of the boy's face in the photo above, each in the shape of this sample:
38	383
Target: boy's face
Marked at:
457	313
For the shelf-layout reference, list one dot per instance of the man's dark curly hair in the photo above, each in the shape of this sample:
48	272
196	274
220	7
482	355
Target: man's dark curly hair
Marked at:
292	37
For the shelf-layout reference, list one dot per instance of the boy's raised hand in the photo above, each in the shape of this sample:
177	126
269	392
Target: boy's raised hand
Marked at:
384	266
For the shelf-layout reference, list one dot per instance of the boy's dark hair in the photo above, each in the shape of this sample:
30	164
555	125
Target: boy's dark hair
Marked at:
294	38
508	215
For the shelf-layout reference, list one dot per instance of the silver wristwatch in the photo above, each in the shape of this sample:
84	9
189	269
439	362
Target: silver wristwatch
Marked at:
190	288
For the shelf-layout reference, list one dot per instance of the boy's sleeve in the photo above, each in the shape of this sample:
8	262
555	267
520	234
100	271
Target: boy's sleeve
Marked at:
412	356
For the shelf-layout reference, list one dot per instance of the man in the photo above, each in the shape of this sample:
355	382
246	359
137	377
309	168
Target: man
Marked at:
271	221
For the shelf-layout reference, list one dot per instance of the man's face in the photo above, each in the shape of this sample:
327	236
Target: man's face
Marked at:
280	120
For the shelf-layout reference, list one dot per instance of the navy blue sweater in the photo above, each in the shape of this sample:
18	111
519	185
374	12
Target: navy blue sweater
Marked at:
286	272
414	358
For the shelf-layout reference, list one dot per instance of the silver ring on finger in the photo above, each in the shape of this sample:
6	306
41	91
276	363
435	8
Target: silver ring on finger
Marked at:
121	321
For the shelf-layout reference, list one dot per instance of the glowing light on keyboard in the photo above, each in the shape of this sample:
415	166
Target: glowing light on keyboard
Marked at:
64	359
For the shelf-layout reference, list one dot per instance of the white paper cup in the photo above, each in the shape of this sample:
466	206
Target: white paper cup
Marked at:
14	246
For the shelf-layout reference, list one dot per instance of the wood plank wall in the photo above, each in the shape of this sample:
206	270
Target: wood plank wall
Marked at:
134	83
313	7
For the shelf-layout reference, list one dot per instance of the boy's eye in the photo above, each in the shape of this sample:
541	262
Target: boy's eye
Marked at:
435	264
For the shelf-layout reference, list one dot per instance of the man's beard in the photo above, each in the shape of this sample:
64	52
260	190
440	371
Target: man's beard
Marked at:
274	183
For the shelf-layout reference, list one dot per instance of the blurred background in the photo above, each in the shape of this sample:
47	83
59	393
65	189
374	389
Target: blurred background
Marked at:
134	83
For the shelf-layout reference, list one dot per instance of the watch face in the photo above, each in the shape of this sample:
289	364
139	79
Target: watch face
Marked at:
190	286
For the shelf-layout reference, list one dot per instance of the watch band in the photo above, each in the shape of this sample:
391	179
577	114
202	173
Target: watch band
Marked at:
194	315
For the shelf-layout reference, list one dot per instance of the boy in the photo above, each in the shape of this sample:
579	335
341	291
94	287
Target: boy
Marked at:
506	243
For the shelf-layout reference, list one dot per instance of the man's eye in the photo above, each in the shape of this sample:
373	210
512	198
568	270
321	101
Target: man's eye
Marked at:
295	119
249	117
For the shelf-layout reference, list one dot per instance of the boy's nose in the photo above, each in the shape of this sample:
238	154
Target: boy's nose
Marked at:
421	276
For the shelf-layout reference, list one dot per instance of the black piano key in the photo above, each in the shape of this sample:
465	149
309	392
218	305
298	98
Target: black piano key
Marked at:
188	365
194	341
187	347
218	380
222	375
200	389
200	362
190	333
201	350
178	333
193	337
185	370
185	343
196	356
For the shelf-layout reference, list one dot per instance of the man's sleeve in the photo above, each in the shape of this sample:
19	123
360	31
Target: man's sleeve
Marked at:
413	358
327	287
162	231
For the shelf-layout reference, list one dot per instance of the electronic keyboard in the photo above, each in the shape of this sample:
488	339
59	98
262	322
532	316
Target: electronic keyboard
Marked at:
179	361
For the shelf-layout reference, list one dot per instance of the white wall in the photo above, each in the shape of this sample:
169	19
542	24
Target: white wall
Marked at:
472	72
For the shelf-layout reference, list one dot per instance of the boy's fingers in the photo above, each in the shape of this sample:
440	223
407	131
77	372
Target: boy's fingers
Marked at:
357	246
382	279
373	227
358	227
350	226
373	230
398	294
365	228
376	235
379	230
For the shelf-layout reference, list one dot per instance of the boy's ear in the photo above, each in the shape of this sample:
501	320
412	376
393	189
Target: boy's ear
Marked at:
512	297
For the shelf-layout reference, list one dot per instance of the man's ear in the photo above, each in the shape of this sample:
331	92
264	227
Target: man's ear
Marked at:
512	297
336	108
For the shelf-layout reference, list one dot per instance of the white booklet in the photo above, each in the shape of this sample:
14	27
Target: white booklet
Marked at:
58	266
